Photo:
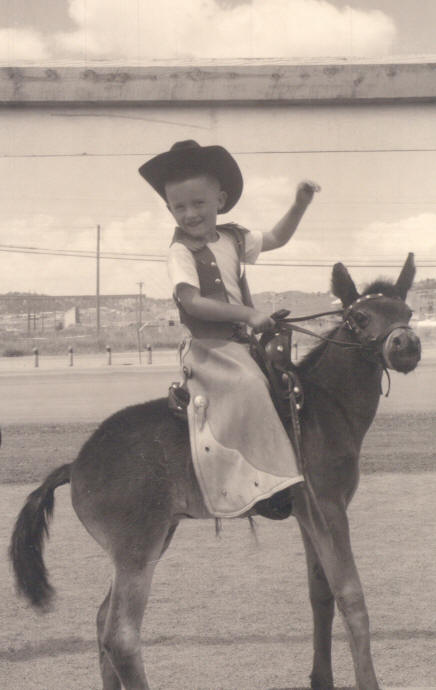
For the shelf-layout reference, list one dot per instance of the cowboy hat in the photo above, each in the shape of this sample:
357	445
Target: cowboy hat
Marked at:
189	155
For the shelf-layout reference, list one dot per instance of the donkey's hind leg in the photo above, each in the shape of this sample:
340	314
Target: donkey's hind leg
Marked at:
120	642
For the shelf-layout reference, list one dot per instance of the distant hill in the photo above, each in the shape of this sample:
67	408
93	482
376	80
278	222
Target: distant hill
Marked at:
15	302
29	318
298	302
23	302
427	284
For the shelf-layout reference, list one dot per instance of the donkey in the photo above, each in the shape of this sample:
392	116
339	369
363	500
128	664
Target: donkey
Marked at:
133	481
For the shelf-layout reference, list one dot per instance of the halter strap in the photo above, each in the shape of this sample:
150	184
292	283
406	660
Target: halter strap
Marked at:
360	300
290	324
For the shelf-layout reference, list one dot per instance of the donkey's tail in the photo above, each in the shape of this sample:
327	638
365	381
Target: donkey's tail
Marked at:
25	550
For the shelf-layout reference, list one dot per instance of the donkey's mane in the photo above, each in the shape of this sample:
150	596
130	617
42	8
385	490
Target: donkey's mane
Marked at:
383	285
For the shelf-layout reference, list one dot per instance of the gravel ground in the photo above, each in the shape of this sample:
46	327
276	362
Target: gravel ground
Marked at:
228	615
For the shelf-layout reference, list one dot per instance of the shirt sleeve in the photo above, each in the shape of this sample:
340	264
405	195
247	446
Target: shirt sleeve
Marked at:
181	267
253	246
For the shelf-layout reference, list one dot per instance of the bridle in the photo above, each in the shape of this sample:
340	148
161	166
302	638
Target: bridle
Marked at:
273	354
371	349
351	325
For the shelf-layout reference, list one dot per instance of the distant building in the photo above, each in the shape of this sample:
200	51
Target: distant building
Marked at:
170	317
422	299
71	317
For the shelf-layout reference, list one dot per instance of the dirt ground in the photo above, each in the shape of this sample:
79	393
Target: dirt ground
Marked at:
225	614
395	443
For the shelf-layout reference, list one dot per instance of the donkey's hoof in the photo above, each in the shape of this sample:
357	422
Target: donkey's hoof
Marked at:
318	683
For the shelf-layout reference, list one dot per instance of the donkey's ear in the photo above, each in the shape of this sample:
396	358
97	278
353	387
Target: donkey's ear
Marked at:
405	279
343	285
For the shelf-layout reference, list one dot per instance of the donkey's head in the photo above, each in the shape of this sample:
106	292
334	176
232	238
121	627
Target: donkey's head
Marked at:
379	318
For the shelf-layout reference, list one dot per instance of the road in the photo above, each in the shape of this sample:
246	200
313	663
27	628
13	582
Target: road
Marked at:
90	395
98	360
59	395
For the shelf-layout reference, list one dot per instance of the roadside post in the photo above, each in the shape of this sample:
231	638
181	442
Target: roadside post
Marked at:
149	354
109	355
71	353
36	355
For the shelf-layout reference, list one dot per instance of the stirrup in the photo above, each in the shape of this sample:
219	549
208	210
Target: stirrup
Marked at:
178	400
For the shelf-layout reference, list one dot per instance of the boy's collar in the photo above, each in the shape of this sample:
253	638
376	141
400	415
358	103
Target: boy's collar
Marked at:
194	245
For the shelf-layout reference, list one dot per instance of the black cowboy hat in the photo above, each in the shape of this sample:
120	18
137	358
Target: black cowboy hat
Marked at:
214	160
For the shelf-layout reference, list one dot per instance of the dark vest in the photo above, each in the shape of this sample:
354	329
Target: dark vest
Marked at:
211	283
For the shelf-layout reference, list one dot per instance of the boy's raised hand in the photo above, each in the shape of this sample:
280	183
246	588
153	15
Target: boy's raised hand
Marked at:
306	191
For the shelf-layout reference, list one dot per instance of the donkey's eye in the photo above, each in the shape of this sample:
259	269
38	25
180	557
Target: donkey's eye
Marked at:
361	319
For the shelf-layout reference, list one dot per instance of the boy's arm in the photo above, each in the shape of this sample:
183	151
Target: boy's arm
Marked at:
285	228
208	309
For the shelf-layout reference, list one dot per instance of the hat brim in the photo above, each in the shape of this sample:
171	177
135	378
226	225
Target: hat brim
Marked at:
213	160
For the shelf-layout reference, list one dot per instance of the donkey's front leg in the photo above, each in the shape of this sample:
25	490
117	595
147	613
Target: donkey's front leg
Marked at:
323	608
325	523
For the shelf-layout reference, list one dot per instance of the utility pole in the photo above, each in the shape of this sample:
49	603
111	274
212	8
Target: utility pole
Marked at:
139	327
140	304
98	282
28	318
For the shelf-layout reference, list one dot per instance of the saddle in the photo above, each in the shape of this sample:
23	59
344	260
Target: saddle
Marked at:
273	354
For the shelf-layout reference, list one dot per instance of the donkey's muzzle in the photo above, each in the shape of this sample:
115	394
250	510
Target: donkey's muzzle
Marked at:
402	350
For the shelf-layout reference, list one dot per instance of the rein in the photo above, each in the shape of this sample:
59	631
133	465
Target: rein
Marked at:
289	324
369	350
273	354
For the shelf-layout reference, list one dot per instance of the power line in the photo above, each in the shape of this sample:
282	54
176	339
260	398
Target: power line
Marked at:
132	117
83	254
140	202
86	154
352	263
161	258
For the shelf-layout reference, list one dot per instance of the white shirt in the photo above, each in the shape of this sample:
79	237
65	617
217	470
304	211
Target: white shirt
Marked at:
182	269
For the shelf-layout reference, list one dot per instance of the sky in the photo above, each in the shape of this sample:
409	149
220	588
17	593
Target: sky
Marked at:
371	208
69	30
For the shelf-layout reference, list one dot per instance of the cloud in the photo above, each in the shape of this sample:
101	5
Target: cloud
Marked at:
266	199
376	244
396	239
264	202
138	30
75	275
296	28
45	273
141	233
22	44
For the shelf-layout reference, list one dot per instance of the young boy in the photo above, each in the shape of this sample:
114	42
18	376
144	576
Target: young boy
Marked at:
240	449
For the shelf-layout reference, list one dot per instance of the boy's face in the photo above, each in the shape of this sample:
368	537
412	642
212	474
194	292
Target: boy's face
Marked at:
194	203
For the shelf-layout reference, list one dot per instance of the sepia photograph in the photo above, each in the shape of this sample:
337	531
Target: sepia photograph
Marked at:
218	344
